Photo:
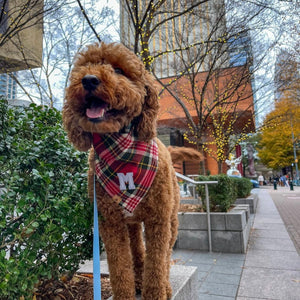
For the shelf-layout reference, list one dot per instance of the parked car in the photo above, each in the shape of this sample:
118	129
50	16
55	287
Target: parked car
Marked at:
254	183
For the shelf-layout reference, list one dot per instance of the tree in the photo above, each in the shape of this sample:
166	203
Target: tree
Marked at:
213	77
21	25
145	20
212	52
275	148
219	45
286	113
66	31
218	105
21	16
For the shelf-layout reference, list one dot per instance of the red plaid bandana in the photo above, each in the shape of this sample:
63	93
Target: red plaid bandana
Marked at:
125	166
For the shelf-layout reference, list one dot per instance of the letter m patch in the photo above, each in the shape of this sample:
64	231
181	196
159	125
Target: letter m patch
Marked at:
123	179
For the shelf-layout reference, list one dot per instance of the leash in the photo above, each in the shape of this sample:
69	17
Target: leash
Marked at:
96	252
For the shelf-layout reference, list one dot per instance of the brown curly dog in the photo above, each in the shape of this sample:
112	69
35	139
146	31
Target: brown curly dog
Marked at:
111	109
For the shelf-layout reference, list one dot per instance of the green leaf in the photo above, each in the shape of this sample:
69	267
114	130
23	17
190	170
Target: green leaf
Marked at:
35	224
29	230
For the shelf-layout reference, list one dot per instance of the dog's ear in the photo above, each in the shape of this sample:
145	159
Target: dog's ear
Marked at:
77	136
146	127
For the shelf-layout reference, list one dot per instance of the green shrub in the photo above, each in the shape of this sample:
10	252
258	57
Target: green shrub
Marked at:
225	193
221	195
243	187
45	215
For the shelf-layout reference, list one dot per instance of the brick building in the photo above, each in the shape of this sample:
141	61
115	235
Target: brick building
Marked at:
172	122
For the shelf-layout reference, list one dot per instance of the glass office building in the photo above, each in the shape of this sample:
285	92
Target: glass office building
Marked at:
8	87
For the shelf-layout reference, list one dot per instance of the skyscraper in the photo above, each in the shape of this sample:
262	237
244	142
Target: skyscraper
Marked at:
174	30
8	87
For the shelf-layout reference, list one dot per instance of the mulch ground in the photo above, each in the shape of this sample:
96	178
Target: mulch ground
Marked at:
190	208
80	287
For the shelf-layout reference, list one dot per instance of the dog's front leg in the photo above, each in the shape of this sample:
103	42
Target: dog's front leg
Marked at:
156	282
138	253
117	245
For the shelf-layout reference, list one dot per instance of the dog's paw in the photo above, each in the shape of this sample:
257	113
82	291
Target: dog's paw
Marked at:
138	291
169	291
138	287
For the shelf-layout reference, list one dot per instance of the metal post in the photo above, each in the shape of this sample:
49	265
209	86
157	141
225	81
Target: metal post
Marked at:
295	152
207	202
291	185
208	217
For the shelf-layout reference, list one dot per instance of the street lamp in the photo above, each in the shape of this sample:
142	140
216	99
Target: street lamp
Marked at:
295	153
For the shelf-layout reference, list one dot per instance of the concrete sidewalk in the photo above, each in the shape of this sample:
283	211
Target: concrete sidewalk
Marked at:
269	270
272	265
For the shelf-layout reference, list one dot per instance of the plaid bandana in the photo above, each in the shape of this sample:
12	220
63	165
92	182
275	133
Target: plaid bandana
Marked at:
125	167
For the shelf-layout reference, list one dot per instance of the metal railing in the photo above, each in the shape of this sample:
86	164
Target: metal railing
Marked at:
206	183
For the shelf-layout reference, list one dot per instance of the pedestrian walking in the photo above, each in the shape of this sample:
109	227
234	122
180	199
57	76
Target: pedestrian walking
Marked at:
284	181
261	180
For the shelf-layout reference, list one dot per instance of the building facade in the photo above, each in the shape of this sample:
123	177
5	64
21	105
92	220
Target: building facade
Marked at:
173	33
185	43
21	34
8	87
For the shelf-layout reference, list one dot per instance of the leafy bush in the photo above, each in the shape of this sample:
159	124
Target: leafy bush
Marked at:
225	193
221	195
45	215
243	186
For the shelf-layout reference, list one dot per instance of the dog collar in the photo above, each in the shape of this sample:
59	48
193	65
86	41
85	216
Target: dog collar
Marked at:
125	166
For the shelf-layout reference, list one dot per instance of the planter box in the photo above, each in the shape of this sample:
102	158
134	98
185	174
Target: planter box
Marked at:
251	201
183	279
229	231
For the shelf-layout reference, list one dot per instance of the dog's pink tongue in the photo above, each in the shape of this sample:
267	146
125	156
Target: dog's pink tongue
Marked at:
95	112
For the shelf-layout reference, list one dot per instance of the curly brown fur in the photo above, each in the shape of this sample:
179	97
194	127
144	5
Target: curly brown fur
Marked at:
124	93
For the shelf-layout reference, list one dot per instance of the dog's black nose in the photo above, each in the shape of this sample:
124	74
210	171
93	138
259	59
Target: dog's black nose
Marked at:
90	82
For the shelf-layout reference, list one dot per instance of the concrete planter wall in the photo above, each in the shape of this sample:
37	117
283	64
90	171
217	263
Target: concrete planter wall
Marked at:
229	231
251	201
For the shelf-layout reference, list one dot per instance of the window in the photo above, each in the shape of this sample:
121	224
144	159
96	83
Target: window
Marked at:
3	16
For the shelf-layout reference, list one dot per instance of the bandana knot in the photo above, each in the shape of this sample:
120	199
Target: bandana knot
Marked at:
125	166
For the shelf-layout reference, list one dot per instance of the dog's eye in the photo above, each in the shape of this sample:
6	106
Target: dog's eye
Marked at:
119	71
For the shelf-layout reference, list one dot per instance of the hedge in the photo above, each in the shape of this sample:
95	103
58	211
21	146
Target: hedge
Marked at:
223	195
45	215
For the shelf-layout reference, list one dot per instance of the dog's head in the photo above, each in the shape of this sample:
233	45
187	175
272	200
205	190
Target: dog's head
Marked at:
109	90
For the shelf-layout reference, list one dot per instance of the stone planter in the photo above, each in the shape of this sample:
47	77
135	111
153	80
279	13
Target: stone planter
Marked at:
229	231
251	201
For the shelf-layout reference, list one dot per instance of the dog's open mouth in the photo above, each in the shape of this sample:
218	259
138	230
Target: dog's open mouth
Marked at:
96	108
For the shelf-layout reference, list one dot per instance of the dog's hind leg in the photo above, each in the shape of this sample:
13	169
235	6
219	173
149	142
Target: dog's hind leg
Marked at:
174	227
174	231
138	253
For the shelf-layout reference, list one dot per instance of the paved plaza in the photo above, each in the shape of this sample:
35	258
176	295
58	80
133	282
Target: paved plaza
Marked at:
270	269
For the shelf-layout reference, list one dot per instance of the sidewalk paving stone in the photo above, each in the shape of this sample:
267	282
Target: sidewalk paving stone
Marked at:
270	284
273	259
214	297
259	243
220	278
220	289
267	233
